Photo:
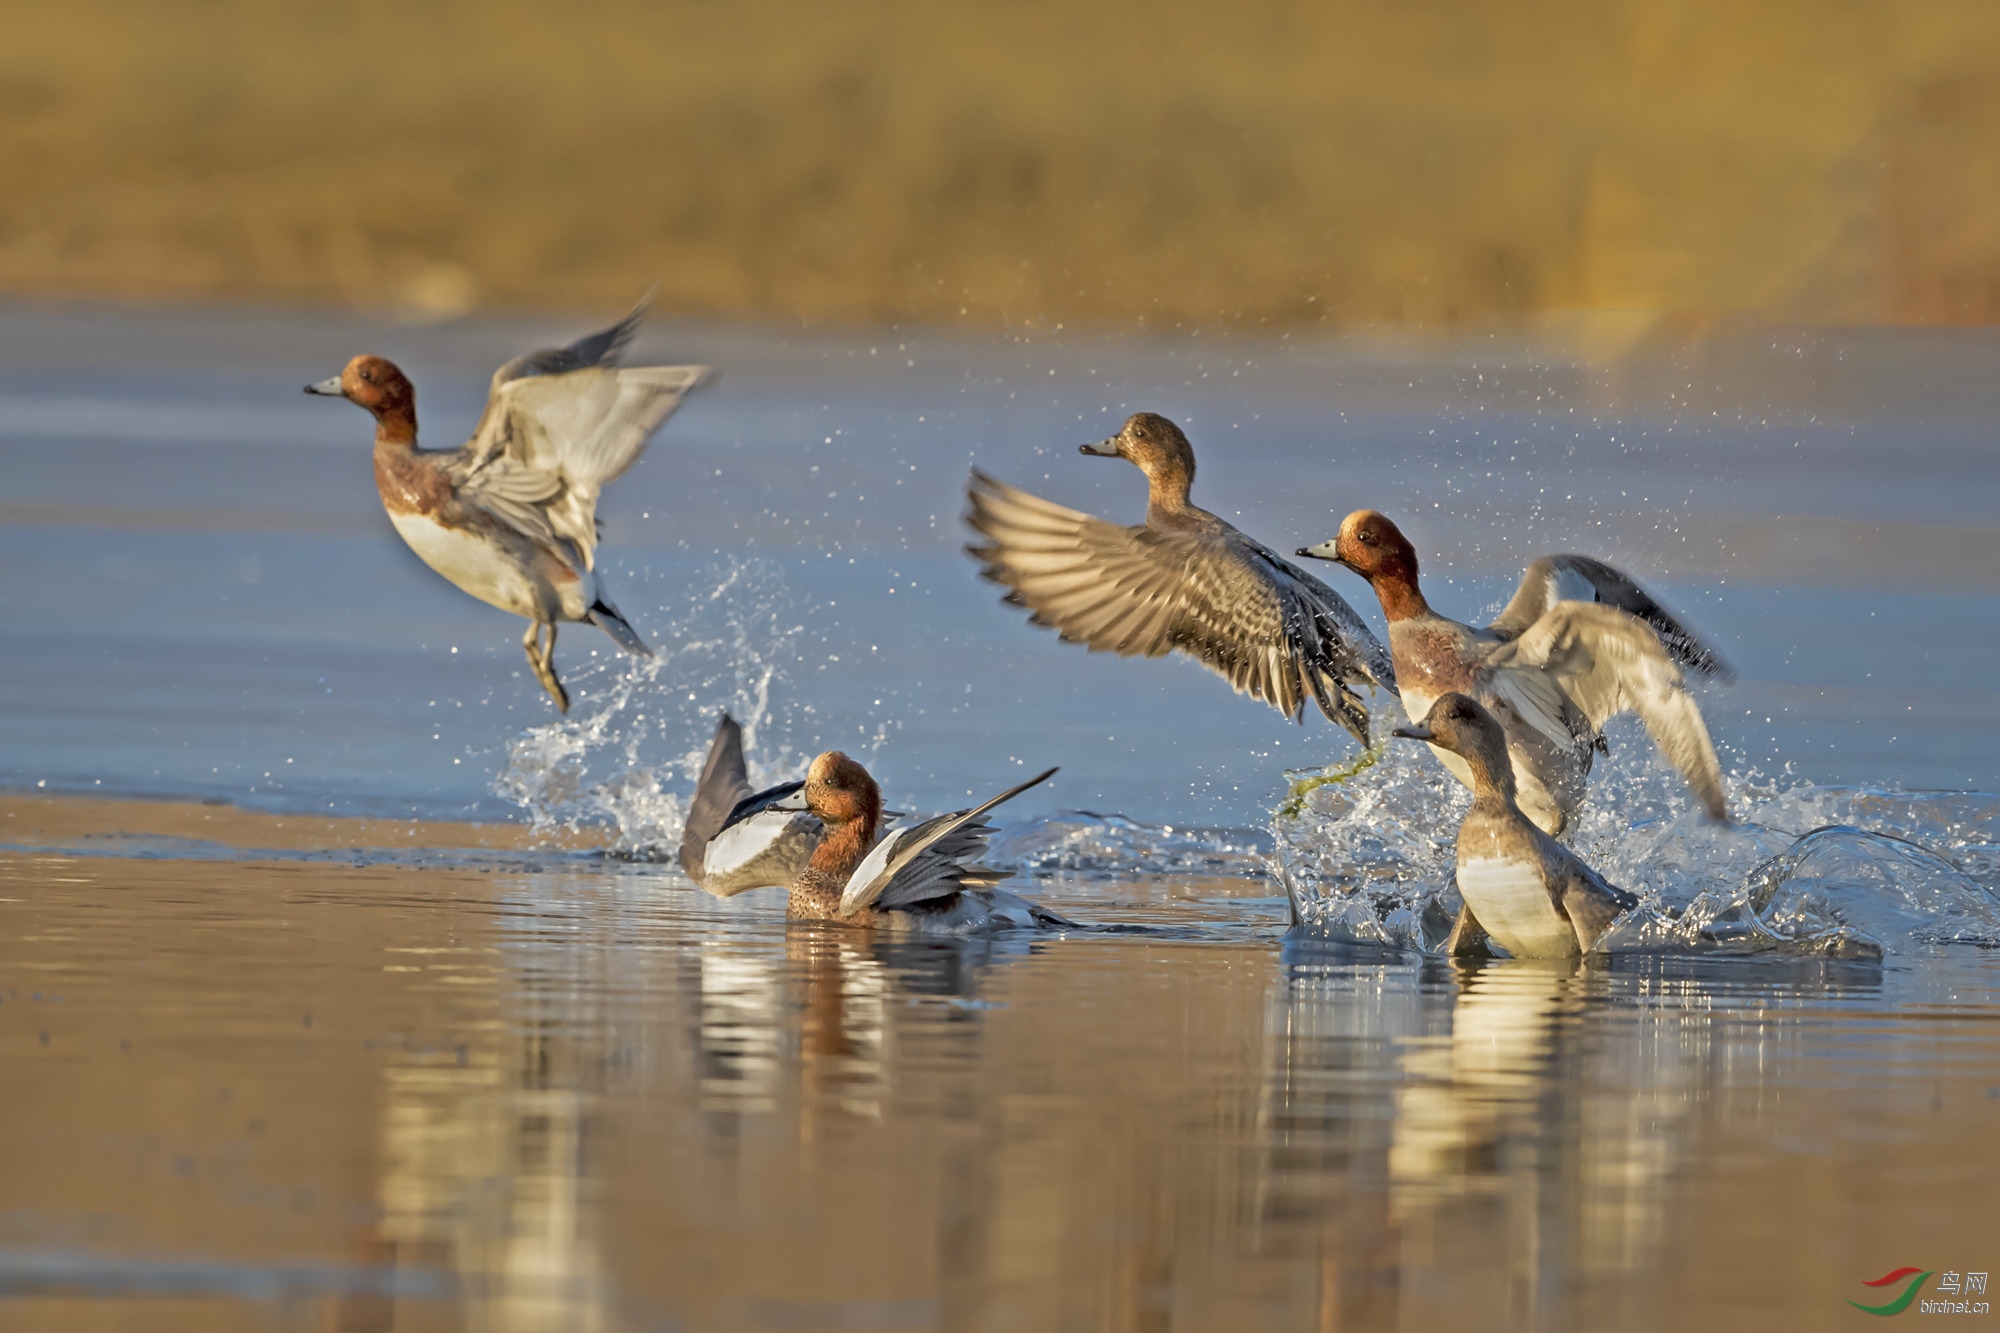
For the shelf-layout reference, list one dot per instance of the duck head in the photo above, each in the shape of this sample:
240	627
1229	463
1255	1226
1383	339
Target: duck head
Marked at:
840	792
1370	545
1376	549
1157	448
1458	723
376	384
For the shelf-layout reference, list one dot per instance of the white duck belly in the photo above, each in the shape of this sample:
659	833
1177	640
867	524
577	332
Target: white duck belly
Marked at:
494	573
1512	901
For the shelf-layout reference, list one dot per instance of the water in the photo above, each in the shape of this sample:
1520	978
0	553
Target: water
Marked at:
269	1095
416	1026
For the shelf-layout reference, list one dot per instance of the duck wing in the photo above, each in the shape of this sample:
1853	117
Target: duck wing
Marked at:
1590	901
1605	661
1579	578
725	781
559	425
933	859
1270	629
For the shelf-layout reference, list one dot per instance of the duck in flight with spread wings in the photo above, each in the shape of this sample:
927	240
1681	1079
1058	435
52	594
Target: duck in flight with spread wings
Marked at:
1182	580
1579	644
510	516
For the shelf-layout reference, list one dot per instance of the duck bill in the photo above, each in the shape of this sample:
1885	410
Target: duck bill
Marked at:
1416	731
787	796
327	388
1102	449
1326	550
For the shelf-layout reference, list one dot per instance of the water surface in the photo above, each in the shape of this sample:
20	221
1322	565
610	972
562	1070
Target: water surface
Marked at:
412	1027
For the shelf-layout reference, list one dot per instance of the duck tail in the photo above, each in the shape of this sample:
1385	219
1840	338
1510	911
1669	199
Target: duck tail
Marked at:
606	617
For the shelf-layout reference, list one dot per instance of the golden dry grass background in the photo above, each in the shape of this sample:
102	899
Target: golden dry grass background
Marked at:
1116	163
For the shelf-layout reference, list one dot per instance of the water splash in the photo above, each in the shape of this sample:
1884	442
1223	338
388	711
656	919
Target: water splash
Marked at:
1830	871
625	758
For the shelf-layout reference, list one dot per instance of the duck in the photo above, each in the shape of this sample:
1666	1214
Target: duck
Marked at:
737	839
1182	581
1521	888
923	879
510	516
1579	644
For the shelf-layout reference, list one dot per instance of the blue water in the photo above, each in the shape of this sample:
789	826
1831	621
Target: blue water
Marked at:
205	599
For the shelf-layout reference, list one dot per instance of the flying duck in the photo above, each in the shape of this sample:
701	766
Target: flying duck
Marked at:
1182	580
510	516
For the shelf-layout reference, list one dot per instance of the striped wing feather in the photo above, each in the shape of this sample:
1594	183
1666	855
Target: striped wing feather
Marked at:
1269	629
936	858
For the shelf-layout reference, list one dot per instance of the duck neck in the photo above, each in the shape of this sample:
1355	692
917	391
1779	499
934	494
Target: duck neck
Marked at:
1170	483
841	850
1492	776
1398	591
396	430
815	895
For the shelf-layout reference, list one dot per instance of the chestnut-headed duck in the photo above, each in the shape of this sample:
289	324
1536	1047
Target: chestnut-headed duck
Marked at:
510	516
736	839
1183	579
924	878
1579	644
1521	887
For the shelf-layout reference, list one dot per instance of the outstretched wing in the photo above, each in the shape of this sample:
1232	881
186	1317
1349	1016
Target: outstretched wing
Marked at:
559	425
1267	627
937	857
737	839
1606	661
725	780
1579	578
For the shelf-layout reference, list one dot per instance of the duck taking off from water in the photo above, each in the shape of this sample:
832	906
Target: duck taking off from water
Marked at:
1527	891
1182	580
1579	644
924	878
510	516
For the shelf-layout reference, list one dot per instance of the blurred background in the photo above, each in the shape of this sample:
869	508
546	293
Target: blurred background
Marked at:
1115	165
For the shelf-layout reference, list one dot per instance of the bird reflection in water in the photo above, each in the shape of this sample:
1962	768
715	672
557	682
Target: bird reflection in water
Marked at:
483	1167
1493	1170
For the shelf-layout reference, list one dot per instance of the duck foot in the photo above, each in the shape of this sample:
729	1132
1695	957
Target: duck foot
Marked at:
542	660
1468	939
